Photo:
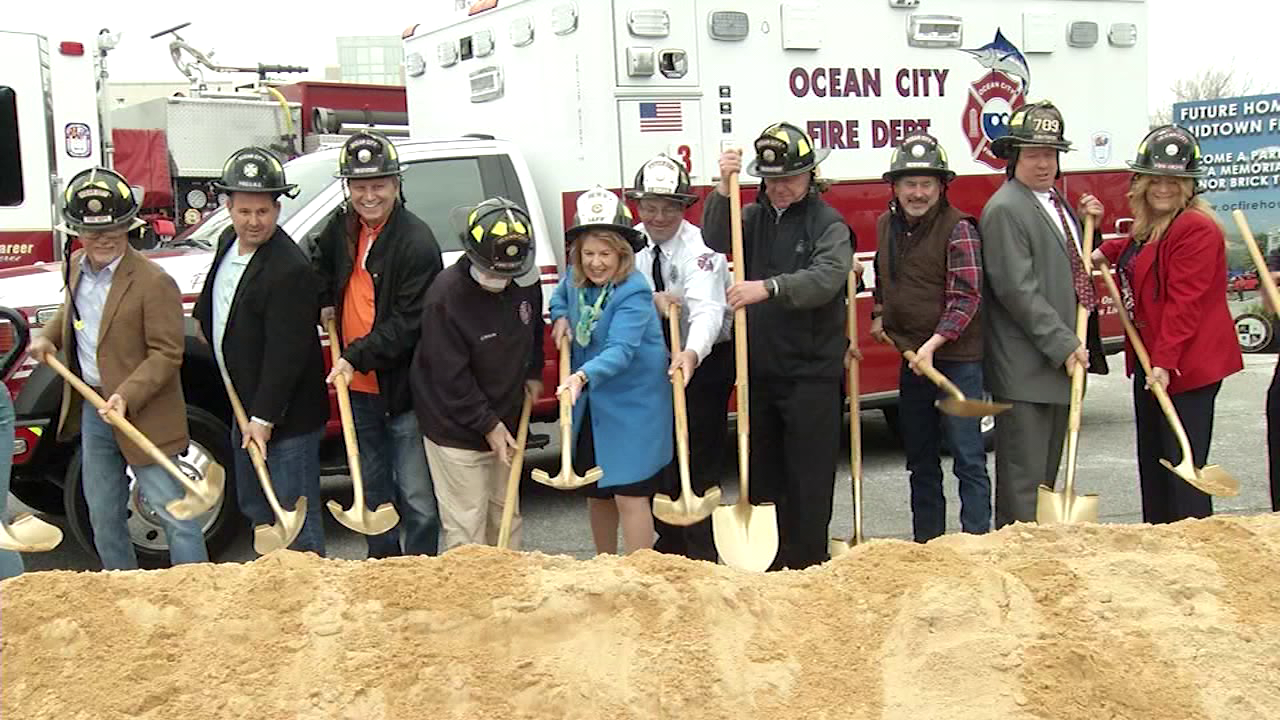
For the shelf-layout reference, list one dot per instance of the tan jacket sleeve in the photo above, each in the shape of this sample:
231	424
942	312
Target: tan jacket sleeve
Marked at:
162	325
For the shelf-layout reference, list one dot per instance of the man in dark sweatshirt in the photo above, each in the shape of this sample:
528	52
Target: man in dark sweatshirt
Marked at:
798	256
480	354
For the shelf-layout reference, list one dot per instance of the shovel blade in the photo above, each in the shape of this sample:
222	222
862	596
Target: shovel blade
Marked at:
957	407
688	510
837	547
1058	507
269	538
366	522
209	488
746	535
567	479
28	533
1210	479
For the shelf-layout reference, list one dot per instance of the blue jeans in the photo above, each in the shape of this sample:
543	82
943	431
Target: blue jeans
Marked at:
10	561
394	462
294	466
106	490
923	427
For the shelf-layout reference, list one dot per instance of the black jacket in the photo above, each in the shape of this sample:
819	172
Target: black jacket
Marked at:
270	344
800	334
403	262
477	350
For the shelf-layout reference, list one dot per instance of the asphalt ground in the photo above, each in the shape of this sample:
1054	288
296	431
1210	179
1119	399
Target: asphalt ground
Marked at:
556	522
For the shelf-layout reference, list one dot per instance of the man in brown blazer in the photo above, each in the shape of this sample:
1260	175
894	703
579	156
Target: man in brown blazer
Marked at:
121	326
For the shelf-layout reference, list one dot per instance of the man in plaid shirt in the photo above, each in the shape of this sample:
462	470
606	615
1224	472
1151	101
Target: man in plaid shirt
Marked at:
927	299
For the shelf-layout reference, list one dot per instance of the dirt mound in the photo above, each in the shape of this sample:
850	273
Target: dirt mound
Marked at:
1088	623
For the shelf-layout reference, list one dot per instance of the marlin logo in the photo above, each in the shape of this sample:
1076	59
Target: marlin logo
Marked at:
1002	55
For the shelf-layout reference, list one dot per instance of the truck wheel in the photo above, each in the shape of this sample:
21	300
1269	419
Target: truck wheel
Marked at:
210	444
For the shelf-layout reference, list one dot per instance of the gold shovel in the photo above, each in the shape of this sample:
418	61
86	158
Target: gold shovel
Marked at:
28	533
746	535
567	479
268	538
690	508
359	518
200	493
1066	506
955	403
836	546
513	478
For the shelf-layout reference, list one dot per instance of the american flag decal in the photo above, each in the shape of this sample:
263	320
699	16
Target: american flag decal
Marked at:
661	117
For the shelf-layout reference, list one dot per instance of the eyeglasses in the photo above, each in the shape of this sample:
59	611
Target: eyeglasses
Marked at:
669	211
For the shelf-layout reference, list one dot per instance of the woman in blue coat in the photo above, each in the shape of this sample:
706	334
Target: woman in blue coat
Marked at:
619	388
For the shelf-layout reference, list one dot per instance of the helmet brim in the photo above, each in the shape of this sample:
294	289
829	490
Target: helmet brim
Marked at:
943	175
67	228
1144	170
282	190
819	154
483	263
366	176
681	198
635	238
1003	146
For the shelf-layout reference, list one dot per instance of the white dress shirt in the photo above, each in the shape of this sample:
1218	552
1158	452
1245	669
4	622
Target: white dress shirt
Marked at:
699	276
226	280
92	290
1046	200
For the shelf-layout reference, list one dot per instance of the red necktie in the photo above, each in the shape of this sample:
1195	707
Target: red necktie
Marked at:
1085	292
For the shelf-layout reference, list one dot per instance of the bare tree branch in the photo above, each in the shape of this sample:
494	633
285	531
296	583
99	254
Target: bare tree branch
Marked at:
1209	84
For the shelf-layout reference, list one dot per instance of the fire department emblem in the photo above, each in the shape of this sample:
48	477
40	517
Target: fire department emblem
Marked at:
526	312
364	155
251	170
95	205
706	261
994	97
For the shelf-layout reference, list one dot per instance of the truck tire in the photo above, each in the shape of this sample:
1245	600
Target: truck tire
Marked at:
210	443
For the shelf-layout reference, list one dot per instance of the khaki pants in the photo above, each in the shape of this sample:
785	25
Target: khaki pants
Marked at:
471	488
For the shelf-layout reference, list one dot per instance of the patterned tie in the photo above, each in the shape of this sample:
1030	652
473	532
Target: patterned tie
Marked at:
659	284
1085	291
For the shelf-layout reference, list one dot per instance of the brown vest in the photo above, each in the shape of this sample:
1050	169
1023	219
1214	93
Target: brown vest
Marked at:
913	302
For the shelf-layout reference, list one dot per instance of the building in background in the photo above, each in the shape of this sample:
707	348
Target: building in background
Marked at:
371	59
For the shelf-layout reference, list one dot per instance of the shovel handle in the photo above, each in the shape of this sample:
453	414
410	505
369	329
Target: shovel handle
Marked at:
855	411
566	407
740	342
1264	275
678	403
344	412
119	421
513	477
255	453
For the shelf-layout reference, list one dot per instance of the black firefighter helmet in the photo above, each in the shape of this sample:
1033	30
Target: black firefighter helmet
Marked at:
1035	125
919	154
368	154
783	150
254	169
663	177
499	238
98	200
601	209
1169	150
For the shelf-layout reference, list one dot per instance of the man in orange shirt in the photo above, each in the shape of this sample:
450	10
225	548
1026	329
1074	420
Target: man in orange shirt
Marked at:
375	260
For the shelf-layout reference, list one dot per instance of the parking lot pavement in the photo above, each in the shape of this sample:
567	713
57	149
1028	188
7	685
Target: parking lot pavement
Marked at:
556	523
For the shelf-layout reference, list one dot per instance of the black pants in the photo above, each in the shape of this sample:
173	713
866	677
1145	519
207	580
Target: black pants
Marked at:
707	400
1166	497
795	440
1273	437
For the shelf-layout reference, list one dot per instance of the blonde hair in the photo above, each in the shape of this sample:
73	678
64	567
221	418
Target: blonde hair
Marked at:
1147	224
626	256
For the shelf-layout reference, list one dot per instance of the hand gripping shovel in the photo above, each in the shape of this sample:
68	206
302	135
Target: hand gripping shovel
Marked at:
200	493
567	479
268	538
1066	506
689	508
1211	479
513	478
28	533
359	518
836	546
746	535
955	403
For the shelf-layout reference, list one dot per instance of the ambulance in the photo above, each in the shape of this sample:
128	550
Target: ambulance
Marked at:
590	89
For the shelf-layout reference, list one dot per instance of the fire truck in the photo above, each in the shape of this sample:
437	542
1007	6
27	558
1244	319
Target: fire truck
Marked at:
589	90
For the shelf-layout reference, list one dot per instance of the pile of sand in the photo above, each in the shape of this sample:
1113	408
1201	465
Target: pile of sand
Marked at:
1096	623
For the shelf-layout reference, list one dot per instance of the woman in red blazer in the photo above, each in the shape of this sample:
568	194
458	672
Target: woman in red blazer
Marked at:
1173	276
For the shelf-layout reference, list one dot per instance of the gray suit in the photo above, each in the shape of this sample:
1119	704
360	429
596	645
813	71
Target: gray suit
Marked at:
1030	306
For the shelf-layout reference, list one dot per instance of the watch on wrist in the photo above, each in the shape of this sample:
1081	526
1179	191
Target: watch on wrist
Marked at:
772	285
